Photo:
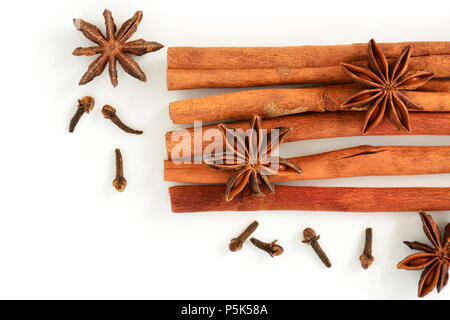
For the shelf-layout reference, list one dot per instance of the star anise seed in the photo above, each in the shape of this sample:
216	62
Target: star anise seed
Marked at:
435	260
384	88
252	158
114	47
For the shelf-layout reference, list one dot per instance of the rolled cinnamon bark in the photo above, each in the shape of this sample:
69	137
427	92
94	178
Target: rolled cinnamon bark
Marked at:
350	162
271	103
191	68
345	199
290	56
183	79
436	85
309	126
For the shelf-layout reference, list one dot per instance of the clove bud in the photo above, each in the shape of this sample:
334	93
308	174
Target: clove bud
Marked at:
85	105
110	113
119	182
312	239
236	243
366	258
271	248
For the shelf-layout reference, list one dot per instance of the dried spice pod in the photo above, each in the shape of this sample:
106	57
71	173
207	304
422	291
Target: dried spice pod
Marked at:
253	158
119	182
114	47
384	88
236	243
85	105
110	113
271	248
434	260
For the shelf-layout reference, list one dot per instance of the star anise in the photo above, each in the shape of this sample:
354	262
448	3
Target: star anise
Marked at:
114	47
435	260
251	156
384	88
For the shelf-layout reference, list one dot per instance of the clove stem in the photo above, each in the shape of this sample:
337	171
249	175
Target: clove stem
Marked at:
271	248
366	258
119	182
85	105
236	243
312	239
110	113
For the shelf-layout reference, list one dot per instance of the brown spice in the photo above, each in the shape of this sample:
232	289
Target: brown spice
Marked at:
271	248
272	103
366	258
343	199
385	88
434	260
236	243
309	126
252	160
349	162
110	113
219	67
85	105
114	48
119	182
312	239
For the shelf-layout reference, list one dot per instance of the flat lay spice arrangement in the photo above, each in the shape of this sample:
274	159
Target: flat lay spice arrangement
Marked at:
373	89
352	90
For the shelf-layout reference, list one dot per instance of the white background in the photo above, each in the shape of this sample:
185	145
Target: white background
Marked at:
66	233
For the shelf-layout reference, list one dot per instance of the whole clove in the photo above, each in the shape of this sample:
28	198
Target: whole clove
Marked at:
271	248
312	239
236	243
119	182
366	258
110	113
85	105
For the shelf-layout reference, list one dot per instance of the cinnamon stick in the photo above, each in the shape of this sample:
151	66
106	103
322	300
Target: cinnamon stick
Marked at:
191	68
290	56
436	85
271	103
183	79
309	126
350	162
345	199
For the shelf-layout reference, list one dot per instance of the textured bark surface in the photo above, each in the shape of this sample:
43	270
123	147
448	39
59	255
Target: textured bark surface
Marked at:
271	103
350	162
291	56
219	67
210	198
317	126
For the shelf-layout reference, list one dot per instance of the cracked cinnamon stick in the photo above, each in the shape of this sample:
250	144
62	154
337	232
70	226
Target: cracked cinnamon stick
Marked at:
344	199
349	162
271	103
309	126
219	67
